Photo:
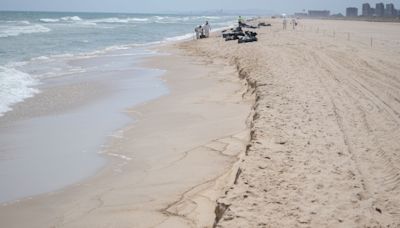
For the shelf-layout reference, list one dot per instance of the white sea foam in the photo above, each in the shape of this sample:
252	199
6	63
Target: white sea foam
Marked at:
166	19
87	23
171	19
19	22
15	86
138	19
76	19
49	20
71	18
65	55
123	157
178	38
7	31
119	20
40	58
159	18
116	47
110	20
211	17
25	22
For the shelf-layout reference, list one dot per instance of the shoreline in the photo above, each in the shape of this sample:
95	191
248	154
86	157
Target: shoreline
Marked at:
118	162
58	144
84	93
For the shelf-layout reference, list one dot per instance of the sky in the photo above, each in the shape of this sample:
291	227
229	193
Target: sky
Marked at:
157	6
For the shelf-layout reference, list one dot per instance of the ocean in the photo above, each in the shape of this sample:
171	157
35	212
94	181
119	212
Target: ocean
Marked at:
31	42
60	60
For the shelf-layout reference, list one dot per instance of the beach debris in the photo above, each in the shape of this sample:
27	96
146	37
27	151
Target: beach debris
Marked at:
220	210
233	34
248	26
248	37
240	35
237	175
261	24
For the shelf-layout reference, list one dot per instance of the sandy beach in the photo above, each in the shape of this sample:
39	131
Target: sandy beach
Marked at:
324	148
299	129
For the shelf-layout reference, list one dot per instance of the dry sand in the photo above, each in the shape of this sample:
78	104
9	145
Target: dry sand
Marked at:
325	136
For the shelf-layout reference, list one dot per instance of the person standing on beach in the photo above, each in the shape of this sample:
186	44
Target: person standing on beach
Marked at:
294	23
207	29
284	23
197	30
240	21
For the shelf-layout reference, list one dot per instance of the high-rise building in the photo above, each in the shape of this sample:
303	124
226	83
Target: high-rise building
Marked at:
366	10
390	10
380	10
372	12
352	12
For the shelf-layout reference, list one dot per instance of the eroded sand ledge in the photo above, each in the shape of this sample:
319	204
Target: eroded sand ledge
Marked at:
325	136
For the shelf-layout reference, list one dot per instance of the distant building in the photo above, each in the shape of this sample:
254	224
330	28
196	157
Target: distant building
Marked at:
319	13
367	11
390	10
352	12
300	14
372	12
380	10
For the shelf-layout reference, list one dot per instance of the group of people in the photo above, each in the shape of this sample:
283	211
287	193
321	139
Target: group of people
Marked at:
293	22
203	31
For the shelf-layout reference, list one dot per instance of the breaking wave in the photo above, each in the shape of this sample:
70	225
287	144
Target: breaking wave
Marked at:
7	31
15	86
119	20
49	20
73	18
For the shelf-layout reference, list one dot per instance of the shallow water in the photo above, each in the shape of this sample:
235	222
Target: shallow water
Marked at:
44	153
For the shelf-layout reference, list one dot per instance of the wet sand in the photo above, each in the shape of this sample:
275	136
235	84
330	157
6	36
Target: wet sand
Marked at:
164	169
54	139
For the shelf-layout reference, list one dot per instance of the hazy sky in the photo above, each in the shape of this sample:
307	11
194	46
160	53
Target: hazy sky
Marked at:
279	6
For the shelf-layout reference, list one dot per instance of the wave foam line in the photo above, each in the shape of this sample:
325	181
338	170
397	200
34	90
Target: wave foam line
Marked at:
8	31
15	86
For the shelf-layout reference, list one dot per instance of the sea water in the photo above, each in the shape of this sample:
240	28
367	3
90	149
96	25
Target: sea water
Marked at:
26	37
40	50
